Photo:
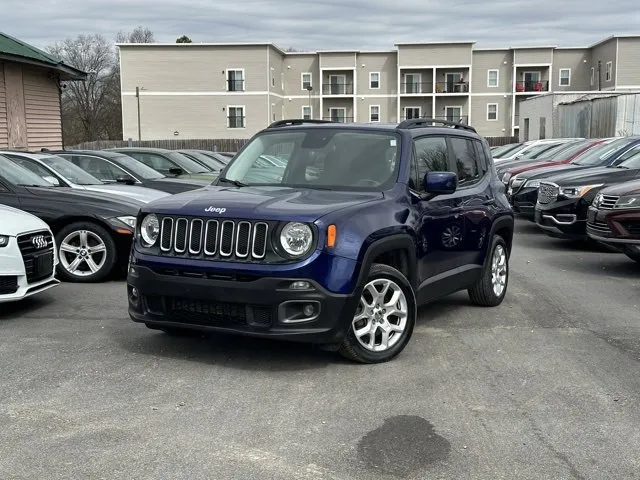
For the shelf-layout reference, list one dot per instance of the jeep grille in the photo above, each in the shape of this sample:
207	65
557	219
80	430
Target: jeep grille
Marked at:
212	238
547	193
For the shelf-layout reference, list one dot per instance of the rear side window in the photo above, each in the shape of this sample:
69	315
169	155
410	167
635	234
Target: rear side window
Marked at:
481	156
464	153
430	155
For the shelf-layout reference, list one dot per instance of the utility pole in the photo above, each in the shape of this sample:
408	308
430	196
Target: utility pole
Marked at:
138	100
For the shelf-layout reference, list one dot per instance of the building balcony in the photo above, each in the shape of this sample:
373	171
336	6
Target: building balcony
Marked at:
453	88
339	119
337	89
416	88
532	87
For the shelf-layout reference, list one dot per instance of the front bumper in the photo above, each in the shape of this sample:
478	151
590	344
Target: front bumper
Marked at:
562	219
254	306
14	285
524	202
615	228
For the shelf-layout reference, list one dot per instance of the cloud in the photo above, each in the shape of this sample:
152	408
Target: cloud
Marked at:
327	24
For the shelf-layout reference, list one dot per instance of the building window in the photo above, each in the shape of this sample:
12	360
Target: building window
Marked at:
492	78
235	80
307	112
593	76
235	117
453	114
273	112
608	71
374	113
338	115
273	81
492	111
374	80
565	77
306	81
411	112
412	83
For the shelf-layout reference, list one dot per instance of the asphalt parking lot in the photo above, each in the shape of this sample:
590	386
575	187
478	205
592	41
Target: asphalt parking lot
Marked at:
544	386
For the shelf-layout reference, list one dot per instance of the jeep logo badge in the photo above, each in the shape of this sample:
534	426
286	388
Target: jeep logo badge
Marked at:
215	210
39	241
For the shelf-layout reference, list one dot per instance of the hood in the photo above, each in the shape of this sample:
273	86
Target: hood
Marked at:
532	166
507	164
13	222
593	176
548	171
205	177
260	202
197	183
89	201
132	191
626	188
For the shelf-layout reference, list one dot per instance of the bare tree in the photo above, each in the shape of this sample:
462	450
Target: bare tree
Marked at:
92	110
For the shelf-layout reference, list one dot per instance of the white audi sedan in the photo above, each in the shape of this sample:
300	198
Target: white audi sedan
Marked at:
28	257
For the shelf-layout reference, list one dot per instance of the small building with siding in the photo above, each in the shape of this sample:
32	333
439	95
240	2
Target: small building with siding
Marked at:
30	87
590	115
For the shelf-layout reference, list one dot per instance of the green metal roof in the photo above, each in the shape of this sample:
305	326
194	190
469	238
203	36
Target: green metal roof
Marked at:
16	50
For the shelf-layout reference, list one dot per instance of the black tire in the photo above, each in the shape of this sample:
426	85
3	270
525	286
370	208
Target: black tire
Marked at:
110	253
351	347
482	292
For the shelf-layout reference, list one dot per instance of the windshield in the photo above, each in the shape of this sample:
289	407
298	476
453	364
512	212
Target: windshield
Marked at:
318	158
633	161
202	158
537	150
565	151
504	149
601	153
224	159
191	166
139	169
18	175
70	171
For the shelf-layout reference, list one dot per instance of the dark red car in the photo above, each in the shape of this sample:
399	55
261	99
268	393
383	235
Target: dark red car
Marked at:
613	218
563	157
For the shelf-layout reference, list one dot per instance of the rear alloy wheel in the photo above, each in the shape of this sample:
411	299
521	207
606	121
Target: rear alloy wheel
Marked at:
491	288
384	319
86	251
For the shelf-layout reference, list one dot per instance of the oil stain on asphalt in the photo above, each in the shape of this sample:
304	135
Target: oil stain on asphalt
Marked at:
402	445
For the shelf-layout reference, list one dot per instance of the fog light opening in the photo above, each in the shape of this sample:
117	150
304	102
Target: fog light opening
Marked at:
300	285
296	311
134	296
309	310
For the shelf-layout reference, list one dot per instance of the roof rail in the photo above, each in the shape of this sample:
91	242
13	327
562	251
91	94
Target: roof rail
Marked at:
296	121
429	122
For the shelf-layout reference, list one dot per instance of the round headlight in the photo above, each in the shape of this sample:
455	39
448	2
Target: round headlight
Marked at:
149	230
296	239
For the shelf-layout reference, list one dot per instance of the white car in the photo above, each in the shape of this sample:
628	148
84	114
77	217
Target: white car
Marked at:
523	148
28	257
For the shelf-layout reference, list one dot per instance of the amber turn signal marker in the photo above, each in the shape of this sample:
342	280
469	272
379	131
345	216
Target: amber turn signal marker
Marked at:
331	235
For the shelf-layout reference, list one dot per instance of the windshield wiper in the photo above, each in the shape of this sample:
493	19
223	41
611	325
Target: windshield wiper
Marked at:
32	185
237	183
621	166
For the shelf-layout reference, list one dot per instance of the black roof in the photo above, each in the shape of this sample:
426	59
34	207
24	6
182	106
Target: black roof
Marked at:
416	126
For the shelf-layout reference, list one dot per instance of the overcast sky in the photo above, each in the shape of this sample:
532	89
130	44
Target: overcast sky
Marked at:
327	24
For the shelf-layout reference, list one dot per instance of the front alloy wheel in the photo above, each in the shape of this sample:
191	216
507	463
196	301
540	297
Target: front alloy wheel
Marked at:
86	251
384	318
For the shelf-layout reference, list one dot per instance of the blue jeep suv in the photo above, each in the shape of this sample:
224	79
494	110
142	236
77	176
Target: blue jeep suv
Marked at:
365	223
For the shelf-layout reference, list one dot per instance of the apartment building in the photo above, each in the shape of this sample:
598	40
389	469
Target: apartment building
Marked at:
205	90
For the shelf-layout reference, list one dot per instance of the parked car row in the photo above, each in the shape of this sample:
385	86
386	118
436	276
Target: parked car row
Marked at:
578	189
71	214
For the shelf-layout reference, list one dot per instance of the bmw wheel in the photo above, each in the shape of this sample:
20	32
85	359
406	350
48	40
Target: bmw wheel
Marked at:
384	319
86	251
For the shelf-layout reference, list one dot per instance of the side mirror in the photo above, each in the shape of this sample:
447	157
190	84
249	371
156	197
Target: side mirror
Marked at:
52	180
127	180
176	171
440	183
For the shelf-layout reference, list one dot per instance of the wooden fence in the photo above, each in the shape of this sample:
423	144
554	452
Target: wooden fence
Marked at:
219	145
